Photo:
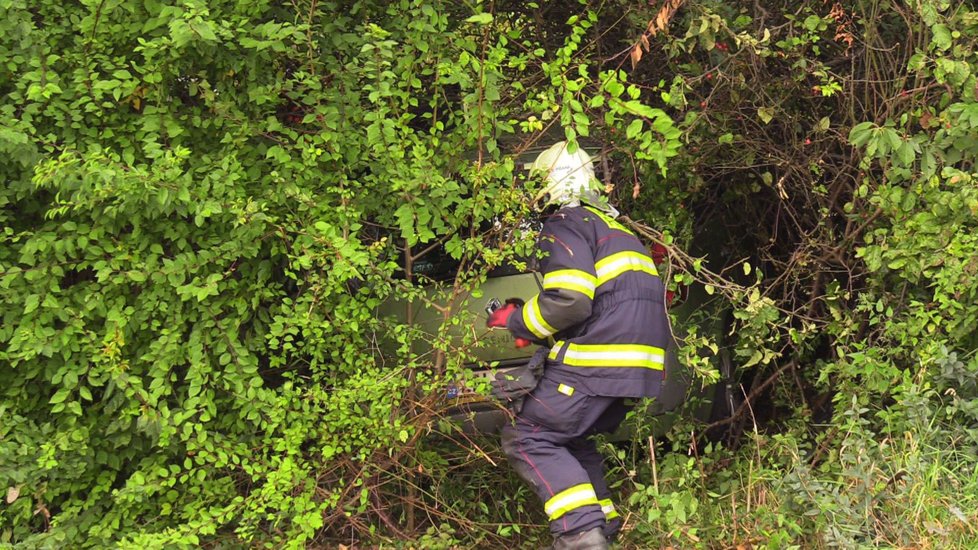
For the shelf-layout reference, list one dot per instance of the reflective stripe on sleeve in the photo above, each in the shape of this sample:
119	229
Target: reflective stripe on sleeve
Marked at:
570	499
615	264
534	320
571	279
610	355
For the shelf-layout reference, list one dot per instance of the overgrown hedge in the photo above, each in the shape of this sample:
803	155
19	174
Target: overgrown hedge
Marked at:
205	202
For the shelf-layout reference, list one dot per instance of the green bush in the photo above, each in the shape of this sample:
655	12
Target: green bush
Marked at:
203	205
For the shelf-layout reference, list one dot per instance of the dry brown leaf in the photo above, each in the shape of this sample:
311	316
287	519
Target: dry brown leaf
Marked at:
660	22
925	117
636	190
662	19
12	494
636	55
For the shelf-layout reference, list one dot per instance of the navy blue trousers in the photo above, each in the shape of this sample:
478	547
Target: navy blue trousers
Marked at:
549	447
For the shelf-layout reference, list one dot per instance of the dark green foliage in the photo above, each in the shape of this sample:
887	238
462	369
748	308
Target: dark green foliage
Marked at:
203	205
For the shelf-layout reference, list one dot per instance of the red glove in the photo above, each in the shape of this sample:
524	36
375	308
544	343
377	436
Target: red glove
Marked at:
500	317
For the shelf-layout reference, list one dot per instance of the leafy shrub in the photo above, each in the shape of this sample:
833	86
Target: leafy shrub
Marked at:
204	204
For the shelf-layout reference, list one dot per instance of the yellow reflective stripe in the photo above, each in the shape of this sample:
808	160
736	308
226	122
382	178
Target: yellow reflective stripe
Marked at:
571	279
566	390
534	320
608	508
612	223
614	265
570	499
611	355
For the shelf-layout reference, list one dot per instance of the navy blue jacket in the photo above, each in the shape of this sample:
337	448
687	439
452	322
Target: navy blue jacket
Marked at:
603	305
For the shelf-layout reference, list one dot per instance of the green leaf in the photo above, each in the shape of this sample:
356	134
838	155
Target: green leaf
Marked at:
643	110
861	133
203	29
906	154
897	263
59	396
812	22
634	128
480	19
893	139
766	114
31	303
180	32
581	123
942	36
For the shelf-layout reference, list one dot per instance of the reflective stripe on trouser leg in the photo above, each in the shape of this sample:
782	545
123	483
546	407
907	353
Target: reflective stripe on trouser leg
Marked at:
570	499
586	453
608	508
612	521
555	476
539	446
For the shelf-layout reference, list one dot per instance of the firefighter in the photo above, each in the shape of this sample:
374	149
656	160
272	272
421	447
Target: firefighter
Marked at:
601	313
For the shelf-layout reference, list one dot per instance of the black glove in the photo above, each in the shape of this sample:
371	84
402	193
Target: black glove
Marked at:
516	383
513	384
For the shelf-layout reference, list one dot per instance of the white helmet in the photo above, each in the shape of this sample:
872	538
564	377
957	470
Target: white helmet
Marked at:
569	176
